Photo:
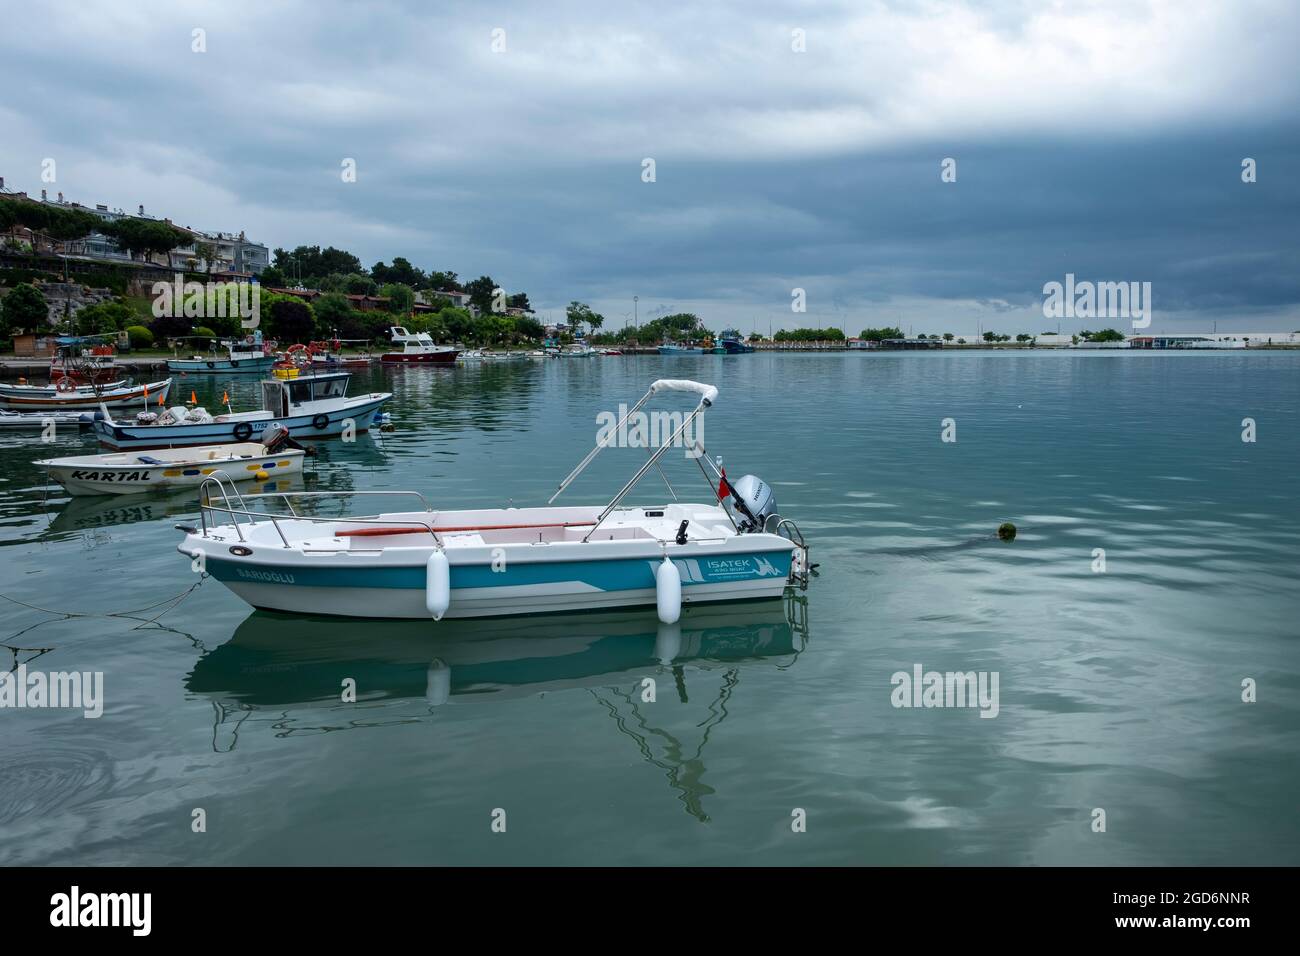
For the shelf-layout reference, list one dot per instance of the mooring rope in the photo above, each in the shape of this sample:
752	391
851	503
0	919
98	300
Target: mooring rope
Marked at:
168	604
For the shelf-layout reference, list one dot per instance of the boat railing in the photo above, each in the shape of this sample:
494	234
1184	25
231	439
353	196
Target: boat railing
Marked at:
801	568
219	479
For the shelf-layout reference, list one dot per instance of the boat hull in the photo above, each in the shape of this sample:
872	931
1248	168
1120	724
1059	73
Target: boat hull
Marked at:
72	401
39	420
351	584
419	358
248	366
121	436
142	477
21	391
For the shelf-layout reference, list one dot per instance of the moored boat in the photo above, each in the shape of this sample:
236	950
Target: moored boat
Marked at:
63	386
733	343
673	348
418	348
310	406
38	420
239	358
432	563
67	397
134	472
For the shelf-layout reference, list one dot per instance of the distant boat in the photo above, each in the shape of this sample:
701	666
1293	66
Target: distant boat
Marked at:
95	367
672	348
418	348
732	343
240	359
72	398
64	386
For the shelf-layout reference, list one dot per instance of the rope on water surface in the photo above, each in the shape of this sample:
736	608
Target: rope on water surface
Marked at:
167	604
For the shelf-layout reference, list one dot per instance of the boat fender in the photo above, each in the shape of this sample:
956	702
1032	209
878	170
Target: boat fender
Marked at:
243	431
668	591
211	365
437	585
320	421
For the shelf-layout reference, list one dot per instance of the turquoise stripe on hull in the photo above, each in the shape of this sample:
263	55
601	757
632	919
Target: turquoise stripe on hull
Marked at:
622	574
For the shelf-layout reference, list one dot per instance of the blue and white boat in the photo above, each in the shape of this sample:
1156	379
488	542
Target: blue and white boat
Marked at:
243	358
429	563
733	343
673	348
309	406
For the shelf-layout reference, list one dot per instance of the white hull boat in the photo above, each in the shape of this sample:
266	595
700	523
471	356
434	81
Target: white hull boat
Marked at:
35	421
20	391
130	473
89	399
234	363
491	562
309	406
418	349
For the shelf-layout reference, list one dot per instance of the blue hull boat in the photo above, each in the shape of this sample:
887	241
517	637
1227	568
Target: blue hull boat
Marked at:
432	563
310	406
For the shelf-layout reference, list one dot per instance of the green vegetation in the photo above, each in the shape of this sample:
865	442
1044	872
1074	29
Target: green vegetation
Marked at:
141	338
580	314
879	335
810	335
23	309
1105	335
101	318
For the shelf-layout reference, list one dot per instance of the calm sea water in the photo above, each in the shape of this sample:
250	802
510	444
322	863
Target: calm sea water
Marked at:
1119	690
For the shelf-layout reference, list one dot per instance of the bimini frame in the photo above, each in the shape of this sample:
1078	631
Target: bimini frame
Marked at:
707	393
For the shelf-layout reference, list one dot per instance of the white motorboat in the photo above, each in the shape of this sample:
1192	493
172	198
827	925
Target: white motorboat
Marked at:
418	349
69	397
38	420
134	472
230	362
310	406
431	563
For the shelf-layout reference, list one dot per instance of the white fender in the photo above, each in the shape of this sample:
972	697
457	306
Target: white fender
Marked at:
668	591
437	585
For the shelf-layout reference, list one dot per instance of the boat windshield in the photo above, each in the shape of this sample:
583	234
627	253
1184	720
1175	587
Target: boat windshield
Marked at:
330	388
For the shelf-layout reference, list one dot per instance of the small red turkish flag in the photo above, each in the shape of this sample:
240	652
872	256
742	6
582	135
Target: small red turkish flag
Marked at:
724	489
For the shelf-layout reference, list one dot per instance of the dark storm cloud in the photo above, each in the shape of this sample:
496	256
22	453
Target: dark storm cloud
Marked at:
1105	142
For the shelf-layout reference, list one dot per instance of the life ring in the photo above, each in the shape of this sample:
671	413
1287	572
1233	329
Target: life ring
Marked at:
212	365
320	421
243	431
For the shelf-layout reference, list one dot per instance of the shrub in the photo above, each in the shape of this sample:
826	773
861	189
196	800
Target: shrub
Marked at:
141	338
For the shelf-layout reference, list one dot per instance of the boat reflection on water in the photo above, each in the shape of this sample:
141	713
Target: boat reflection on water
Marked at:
98	512
286	673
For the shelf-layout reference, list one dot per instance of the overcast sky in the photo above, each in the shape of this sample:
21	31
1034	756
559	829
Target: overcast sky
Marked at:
1100	139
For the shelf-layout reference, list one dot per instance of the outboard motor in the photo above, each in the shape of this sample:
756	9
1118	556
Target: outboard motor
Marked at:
275	436
754	501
